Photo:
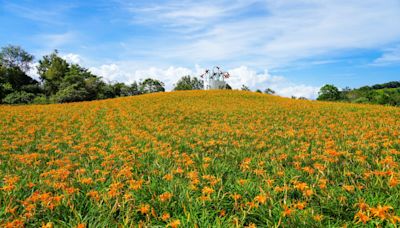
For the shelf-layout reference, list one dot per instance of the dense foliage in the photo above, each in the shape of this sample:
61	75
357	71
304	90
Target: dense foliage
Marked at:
151	86
245	88
200	159
269	91
189	83
329	93
386	94
60	81
15	85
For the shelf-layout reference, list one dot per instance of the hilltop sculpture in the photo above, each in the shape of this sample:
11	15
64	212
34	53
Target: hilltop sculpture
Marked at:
214	79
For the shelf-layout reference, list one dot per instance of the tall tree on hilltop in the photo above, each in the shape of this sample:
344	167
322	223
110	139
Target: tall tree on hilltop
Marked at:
150	85
189	83
269	91
329	93
245	88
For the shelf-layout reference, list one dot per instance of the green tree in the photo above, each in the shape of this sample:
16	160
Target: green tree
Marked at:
189	83
269	91
329	93
94	87
134	88
5	88
245	88
120	89
71	93
151	86
52	70
346	93
15	57
65	82
123	90
79	84
129	90
14	65
40	99
16	77
19	97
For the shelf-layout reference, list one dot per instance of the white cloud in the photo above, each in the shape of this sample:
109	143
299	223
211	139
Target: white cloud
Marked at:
33	71
310	92
389	56
245	76
283	87
128	73
278	34
72	58
125	72
110	72
190	15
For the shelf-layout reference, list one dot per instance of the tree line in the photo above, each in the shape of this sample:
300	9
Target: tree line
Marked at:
61	82
385	94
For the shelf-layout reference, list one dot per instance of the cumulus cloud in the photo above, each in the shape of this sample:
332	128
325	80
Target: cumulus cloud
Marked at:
110	72
245	76
283	87
72	58
125	72
239	76
309	92
33	71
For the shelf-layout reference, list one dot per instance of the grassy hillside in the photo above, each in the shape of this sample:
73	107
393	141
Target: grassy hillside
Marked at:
199	158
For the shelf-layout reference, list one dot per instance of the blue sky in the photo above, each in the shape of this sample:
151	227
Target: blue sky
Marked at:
293	47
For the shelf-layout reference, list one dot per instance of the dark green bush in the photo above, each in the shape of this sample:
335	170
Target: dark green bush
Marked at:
19	97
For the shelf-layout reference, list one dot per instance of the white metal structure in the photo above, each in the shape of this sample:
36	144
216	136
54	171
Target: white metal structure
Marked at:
214	79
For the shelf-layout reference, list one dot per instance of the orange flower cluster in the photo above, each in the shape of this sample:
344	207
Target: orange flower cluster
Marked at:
199	159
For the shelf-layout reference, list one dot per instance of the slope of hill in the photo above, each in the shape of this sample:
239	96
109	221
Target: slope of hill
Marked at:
205	158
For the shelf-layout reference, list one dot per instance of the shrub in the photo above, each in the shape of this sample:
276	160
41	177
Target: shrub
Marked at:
20	97
361	100
70	94
41	99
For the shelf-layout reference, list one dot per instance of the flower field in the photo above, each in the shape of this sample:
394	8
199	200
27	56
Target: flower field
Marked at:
199	159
